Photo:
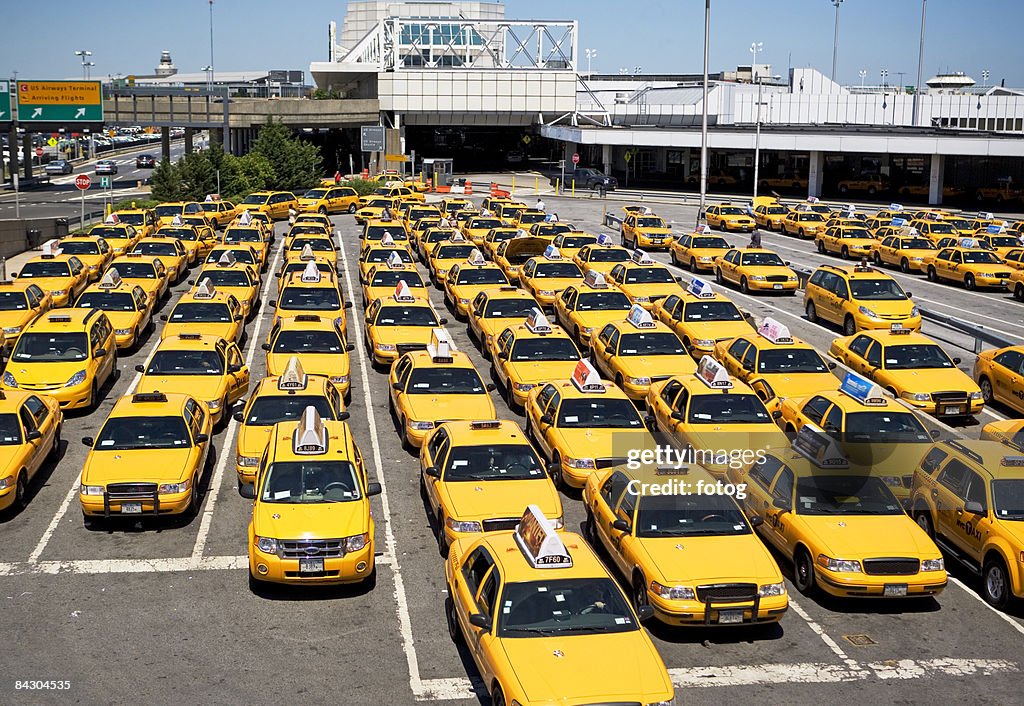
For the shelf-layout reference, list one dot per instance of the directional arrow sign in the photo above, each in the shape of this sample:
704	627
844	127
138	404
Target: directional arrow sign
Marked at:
5	102
59	101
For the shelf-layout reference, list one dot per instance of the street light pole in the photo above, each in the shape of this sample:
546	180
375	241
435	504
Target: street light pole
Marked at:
920	62
591	53
755	49
835	38
704	118
863	75
211	47
83	53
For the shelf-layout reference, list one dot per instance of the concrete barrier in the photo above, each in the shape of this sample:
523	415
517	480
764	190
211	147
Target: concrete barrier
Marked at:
14	233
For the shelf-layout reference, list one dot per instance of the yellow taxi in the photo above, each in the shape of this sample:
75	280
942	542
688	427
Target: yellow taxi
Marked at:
513	254
431	238
934	227
529	354
196	247
698	250
701	317
571	242
859	298
904	249
912	367
253	236
321	249
206	367
319	343
645	229
376	208
171	252
143	220
147	459
964	226
126	305
776	364
999	373
994	237
229	275
493	309
586	307
280	398
401	193
274	204
729	577
312	292
467	279
64	277
121	237
417	183
1014	259
845	241
966	496
30	427
381	279
325	200
839	524
92	251
494	237
387	251
638	351
725	216
769	213
583	425
526	217
205	309
602	256
20	303
311	520
147	271
509	211
207	235
219	212
803	223
377	229
477	476
562	628
242	254
643	280
452	204
434	385
446	255
887	216
417	212
398	324
969	264
166	212
756	270
477	227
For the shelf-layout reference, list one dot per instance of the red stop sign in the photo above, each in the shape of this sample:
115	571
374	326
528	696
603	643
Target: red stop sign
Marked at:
575	157
83	182
39	151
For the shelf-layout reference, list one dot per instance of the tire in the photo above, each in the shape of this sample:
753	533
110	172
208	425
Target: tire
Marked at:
322	211
673	258
638	592
256	585
454	631
905	266
924	521
693	265
744	287
718	276
55	449
94	397
498	697
843	188
195	501
878	259
995	582
442	541
556	475
812	313
821	247
849	326
803	572
1018	292
969	282
590	531
845	253
20	492
406	446
986	389
933	276
872	191
351	208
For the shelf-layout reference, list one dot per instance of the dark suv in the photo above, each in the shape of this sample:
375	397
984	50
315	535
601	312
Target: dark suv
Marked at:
588	178
145	161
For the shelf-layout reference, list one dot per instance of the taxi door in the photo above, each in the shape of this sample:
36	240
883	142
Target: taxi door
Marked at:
604	350
402	369
833	293
238	374
1006	378
500	356
947	264
547	415
602	510
728	265
434	454
856	355
663	405
484	645
621	542
965	530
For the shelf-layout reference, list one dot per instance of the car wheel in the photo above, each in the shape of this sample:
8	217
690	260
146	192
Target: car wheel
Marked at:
442	540
498	697
639	592
590	530
322	211
673	258
904	266
1018	292
849	326
20	492
924	521
969	282
94	396
406	445
986	389
933	276
803	572
454	631
744	287
872	191
996	583
693	265
718	276
845	253
556	473
351	208
877	259
812	313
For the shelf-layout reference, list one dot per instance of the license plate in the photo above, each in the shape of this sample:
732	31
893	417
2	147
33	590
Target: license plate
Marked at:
952	410
657	241
131	508
895	589
776	286
311	566
730	616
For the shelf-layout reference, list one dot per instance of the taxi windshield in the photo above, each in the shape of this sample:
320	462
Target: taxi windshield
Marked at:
134	270
453	252
309	482
242	235
80	247
408	316
605	254
536	349
551	270
845	495
731	211
148	247
438	235
50	347
610	413
108	301
10	430
391	278
310	298
976	257
663	343
527	218
315	244
651	222
855	233
649	275
379	203
563	606
484	223
445	381
201	362
127	433
132	219
493	462
917	244
500	236
550	229
1008	499
763	259
240	255
797	360
943	228
958	223
165	211
577	241
250	199
307	342
612	300
509	308
712	311
189	234
884	427
45	268
774	210
315	194
13	301
382	254
730	408
308	229
112	233
481	275
811	217
877	289
268	410
225	278
688	516
918	355
377	232
711	242
196	312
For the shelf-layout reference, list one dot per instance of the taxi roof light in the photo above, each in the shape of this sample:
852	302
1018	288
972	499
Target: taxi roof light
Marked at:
402	292
862	390
205	290
457	237
395	261
775	332
307	252
595	280
552	253
311	274
895	207
111	280
986	215
176	221
968	243
485	424
1012	461
440	349
246	218
190	336
604	239
703	229
899	222
641	258
713	374
155	396
307	319
227	259
112	219
476	258
639	317
539	542
536	322
386	240
586	378
995	229
700	289
310	435
819	448
293	377
59	318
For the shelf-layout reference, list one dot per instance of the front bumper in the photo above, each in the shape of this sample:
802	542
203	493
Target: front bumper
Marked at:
847	585
350	568
971	407
693	612
865	324
68	397
152	506
762	286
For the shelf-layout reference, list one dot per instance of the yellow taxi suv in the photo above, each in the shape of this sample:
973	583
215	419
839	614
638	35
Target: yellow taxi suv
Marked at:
398	324
435	385
913	368
336	199
206	310
969	264
645	230
845	241
63	277
280	398
859	298
376	208
317	341
467	279
756	270
907	251
728	217
30	427
274	204
586	307
724	576
999	373
529	354
643	280
492	310
697	251
69	354
477	476
92	251
20	303
638	351
546	621
127	306
311	521
147	459
701	317
546	276
803	223
839	524
602	256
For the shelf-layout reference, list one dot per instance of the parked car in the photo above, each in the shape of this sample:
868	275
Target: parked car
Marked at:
588	178
145	161
105	166
59	166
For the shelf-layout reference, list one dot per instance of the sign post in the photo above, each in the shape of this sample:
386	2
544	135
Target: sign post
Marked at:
83	182
5	102
575	158
371	138
59	102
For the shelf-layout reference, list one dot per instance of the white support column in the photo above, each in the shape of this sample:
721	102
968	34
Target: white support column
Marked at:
815	170
936	179
606	158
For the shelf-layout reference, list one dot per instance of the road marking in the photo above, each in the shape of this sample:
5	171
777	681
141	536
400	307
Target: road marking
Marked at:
126	566
991	413
229	433
820	632
974	594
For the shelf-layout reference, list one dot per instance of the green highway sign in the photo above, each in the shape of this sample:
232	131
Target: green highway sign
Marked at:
5	102
104	182
60	102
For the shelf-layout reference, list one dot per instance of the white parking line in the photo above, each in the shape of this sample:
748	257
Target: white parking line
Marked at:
820	632
974	594
127	566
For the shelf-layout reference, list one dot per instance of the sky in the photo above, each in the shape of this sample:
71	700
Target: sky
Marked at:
126	36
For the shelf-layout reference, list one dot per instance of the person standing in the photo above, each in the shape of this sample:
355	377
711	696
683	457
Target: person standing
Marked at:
755	238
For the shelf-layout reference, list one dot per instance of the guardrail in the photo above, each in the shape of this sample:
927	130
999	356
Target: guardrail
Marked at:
979	333
611	220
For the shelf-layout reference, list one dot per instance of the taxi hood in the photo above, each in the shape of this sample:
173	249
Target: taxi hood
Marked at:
53	374
697	559
544	371
519	250
447	407
202	387
310	520
137	465
326	364
865	536
502	498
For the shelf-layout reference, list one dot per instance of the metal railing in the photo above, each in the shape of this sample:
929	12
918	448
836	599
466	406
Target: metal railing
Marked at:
980	334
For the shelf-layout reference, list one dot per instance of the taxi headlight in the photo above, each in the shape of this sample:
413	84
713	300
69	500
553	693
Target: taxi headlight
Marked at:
578	462
793	278
867	312
641	300
384	346
839	565
339	379
588	330
247	461
933	565
9	380
704	342
915	311
638	381
76	379
11	330
6	483
772	589
122	331
214	405
460	526
420	426
976	395
674	593
546	292
91	490
524	386
356	542
916	396
266	545
172	488
757	278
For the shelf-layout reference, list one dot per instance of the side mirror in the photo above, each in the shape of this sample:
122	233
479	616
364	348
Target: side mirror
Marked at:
777	414
373	489
348	305
644	612
234	368
396	386
679	416
265	346
781	504
163	317
909	294
140	368
192	282
490	387
974	507
432	471
786	263
247	491
443	321
502	355
956	361
756	521
547	419
678	279
621	525
935	434
202	438
88	441
14	275
100	353
272	302
238	317
481	621
34	434
349	347
831	365
238	416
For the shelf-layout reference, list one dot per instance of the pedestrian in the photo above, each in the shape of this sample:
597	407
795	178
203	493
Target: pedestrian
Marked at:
292	213
540	205
337	178
755	238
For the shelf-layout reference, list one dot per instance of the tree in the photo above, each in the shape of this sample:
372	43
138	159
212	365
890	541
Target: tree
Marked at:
297	165
198	175
166	182
242	175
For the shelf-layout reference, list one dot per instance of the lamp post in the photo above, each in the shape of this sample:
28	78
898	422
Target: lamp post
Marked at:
863	75
211	45
704	118
83	53
984	77
208	70
920	62
884	73
88	65
835	38
591	53
755	49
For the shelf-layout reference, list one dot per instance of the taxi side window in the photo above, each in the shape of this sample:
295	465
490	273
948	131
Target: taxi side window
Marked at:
613	488
28	420
437	444
748	359
569	298
669	392
874	355
733	257
833	420
764	472
954	477
931	462
684	242
617	273
530	267
783	488
1011	359
737	348
96	337
489	593
839	287
613	340
37	408
478	303
681	400
545	395
234	358
402	370
556	399
815	409
859	345
626	507
669	304
976	491
956	257
606	333
818	278
476	568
